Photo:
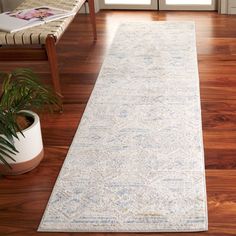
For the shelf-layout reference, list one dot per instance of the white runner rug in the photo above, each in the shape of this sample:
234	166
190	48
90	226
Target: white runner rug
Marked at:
136	163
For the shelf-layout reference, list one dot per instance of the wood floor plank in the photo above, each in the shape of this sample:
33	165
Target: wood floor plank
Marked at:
17	203
23	198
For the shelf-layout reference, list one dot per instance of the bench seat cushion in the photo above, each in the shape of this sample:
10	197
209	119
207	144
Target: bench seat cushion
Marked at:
38	34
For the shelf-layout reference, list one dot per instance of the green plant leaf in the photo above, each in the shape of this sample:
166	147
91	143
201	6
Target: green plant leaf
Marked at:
21	90
2	159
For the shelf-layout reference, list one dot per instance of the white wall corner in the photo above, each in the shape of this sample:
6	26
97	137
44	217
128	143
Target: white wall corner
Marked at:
97	7
9	5
85	8
232	7
223	7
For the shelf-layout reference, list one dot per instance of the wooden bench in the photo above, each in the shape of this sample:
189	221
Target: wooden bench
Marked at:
39	43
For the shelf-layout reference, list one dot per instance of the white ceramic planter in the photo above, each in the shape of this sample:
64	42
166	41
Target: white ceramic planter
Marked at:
30	149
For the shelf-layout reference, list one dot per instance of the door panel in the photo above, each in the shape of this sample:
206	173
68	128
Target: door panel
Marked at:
129	4
192	5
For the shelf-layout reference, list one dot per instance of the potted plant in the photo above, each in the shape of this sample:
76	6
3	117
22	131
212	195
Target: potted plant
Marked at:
21	147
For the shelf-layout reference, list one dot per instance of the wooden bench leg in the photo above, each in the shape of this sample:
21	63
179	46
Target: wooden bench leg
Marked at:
92	17
52	58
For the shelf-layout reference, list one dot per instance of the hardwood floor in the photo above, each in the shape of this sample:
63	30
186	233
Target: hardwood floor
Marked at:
23	198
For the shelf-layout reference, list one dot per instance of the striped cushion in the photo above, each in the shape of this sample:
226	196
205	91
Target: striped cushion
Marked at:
38	34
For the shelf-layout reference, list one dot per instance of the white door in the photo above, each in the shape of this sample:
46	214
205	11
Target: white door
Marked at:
202	5
129	4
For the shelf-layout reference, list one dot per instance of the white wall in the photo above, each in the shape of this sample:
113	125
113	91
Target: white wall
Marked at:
231	7
9	5
227	7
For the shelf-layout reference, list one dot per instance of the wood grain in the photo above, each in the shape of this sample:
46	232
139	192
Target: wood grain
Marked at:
50	46
23	198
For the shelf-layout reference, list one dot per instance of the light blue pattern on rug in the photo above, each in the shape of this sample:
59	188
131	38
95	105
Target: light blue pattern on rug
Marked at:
136	163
